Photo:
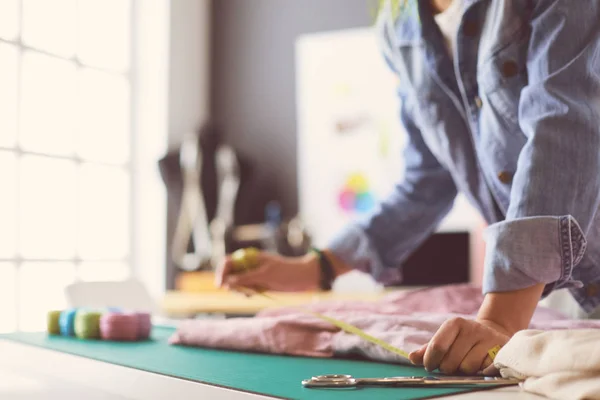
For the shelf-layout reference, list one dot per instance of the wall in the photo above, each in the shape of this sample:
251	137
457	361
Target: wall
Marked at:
187	94
252	103
253	86
189	69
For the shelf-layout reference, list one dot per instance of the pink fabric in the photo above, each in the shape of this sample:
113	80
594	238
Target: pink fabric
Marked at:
287	334
460	299
407	320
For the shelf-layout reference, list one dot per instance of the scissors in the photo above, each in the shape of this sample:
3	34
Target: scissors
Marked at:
348	381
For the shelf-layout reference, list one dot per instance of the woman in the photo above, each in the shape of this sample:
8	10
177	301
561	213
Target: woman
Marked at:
501	101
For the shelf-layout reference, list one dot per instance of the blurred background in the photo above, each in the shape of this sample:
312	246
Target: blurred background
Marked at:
142	140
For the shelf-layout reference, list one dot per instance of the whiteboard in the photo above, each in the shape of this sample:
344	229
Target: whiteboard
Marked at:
350	139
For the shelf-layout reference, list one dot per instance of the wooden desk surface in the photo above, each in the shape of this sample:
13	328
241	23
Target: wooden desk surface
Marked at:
181	303
196	294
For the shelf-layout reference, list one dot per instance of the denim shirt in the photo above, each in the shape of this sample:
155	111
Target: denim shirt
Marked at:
512	121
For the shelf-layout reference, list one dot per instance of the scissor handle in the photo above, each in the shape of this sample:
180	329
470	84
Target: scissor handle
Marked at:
333	377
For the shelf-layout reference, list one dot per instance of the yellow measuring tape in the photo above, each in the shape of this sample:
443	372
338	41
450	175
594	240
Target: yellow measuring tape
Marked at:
359	332
349	328
245	259
493	352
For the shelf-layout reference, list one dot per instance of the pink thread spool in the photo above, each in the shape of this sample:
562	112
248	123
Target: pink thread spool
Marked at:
119	327
144	325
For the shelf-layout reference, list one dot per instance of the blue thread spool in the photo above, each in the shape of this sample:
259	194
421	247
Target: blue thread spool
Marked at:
67	322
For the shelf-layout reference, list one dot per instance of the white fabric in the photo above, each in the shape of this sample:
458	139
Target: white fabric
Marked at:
449	21
563	365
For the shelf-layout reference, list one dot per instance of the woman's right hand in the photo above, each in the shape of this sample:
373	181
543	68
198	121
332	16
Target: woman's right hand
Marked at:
273	273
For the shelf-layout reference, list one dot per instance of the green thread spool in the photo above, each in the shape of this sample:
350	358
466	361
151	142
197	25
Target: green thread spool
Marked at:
87	324
53	325
245	259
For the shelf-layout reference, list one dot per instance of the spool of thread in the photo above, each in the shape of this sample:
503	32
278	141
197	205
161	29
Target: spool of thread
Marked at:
53	322
245	259
119	327
87	324
66	322
144	325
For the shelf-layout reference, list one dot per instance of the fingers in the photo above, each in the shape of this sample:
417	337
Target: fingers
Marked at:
416	357
441	343
462	346
472	362
223	272
226	277
459	345
254	278
490	370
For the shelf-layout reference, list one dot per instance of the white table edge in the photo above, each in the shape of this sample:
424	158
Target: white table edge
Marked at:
137	384
119	380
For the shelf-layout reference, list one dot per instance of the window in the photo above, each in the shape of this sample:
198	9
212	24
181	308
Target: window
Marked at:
67	159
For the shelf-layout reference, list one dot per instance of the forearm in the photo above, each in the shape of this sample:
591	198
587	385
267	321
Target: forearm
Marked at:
555	190
380	243
512	310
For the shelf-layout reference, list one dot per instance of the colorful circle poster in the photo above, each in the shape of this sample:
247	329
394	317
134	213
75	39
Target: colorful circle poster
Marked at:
356	195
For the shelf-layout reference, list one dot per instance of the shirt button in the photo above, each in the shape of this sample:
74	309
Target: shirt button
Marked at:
478	101
505	177
509	69
592	290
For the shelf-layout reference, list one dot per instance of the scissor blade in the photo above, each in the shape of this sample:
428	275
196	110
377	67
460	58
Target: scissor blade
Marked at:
391	381
468	380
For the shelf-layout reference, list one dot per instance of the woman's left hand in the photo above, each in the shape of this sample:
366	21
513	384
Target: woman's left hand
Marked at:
461	345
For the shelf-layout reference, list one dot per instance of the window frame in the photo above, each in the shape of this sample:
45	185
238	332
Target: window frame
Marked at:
142	30
169	52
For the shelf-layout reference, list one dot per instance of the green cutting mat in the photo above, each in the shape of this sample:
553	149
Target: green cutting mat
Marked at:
277	376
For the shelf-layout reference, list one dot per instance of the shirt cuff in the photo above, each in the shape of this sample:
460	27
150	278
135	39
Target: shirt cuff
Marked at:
527	251
353	246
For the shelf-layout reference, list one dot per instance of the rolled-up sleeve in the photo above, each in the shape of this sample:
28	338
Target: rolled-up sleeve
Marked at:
380	243
556	187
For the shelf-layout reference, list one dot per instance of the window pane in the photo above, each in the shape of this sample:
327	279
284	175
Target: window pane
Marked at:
9	19
103	117
48	208
8	204
48	90
41	289
8	93
104	219
99	46
50	25
103	271
8	311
